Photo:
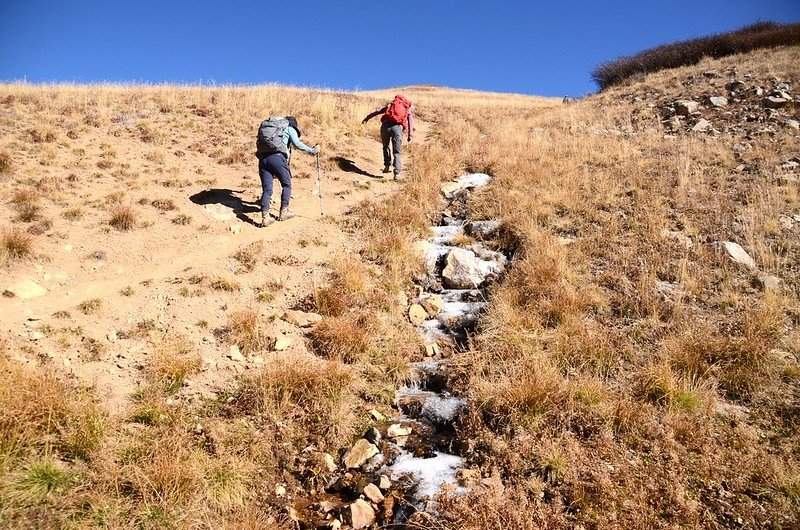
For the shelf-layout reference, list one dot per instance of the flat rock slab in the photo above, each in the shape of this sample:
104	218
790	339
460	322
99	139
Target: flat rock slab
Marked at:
465	270
738	254
27	288
302	319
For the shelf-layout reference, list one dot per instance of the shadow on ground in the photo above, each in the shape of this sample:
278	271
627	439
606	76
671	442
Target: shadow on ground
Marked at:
228	199
345	164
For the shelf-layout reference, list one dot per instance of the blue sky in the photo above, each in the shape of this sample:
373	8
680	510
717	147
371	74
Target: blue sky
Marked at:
544	48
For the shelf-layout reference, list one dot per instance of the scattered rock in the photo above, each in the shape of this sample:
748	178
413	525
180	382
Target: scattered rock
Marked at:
395	430
236	228
684	107
362	451
483	229
738	254
385	483
377	416
235	354
433	305
301	319
718	101
280	490
464	270
282	343
37	335
702	125
772	102
432	349
27	288
361	514
373	493
373	435
793	124
734	85
768	282
417	314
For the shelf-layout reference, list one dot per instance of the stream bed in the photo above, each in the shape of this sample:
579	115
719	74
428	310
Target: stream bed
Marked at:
393	474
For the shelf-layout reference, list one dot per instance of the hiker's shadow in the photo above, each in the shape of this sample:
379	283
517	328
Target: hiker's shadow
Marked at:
345	164
228	200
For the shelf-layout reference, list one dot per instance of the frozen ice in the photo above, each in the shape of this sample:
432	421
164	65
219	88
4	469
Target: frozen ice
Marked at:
442	409
474	180
429	473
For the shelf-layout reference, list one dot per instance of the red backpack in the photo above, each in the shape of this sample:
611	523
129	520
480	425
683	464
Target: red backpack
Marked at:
397	112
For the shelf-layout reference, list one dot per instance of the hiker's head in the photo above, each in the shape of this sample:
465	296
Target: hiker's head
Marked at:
293	123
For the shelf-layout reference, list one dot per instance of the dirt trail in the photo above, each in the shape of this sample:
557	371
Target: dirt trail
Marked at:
157	267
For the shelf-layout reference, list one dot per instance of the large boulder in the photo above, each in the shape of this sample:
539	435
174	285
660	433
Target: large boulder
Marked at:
465	270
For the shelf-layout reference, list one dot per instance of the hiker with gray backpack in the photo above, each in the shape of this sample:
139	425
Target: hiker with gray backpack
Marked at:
276	136
397	116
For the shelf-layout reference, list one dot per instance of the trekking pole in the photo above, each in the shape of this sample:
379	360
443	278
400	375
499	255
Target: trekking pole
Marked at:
319	185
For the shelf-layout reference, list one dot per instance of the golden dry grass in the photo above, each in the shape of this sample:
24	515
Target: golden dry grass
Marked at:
619	379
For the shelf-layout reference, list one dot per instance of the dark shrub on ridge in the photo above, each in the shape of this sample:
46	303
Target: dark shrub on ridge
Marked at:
688	52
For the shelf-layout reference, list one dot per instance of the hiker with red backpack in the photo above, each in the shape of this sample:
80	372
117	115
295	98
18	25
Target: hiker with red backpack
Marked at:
397	116
276	136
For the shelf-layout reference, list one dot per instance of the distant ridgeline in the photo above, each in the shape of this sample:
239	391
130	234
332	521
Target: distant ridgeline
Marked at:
685	53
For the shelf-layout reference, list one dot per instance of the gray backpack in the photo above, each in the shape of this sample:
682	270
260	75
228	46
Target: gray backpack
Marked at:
270	135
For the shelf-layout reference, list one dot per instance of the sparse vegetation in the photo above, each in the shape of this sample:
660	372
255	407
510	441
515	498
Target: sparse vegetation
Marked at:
246	330
15	245
123	217
173	360
90	306
225	284
689	52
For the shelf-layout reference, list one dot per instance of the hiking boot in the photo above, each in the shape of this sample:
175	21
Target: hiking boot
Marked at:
266	220
386	169
285	214
397	176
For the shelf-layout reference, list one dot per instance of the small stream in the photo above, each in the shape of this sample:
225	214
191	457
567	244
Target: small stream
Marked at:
393	475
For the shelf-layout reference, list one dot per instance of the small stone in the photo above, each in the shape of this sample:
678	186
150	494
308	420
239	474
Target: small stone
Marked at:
302	319
772	102
397	429
235	354
283	343
327	506
417	314
335	524
384	483
329	462
257	359
27	288
432	350
433	305
280	490
361	514
718	101
377	416
373	435
768	282
66	361
37	335
112	336
702	125
793	124
373	493
237	228
468	477
362	451
450	188
738	254
685	107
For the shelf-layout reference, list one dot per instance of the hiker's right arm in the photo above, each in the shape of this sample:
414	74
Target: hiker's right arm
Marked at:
376	113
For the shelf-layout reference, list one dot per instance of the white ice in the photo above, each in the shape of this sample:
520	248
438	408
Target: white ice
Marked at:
429	473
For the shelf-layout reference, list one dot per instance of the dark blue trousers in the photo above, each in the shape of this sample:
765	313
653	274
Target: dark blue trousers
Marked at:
270	166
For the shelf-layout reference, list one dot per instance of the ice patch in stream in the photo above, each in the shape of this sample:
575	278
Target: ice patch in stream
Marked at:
429	473
442	409
445	234
474	180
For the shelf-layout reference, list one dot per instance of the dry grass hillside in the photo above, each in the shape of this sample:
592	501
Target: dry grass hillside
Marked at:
626	374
